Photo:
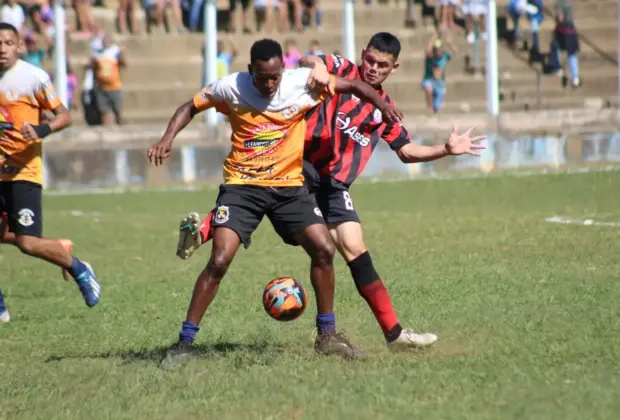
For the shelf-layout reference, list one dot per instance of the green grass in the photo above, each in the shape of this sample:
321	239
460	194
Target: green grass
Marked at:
526	312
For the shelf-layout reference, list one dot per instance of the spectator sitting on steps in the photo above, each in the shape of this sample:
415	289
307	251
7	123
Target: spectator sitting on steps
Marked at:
565	38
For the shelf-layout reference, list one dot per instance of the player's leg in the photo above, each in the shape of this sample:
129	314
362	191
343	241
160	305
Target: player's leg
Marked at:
349	241
298	220
24	208
346	231
240	210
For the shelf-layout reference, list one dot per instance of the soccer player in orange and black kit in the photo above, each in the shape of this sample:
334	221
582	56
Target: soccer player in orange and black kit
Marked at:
341	136
26	92
263	177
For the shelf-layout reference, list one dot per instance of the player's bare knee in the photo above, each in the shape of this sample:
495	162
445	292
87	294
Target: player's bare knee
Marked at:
218	264
324	253
27	244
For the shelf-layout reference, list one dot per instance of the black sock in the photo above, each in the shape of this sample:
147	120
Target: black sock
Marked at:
394	333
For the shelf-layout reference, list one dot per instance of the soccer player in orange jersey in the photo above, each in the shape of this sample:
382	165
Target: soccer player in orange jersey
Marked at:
26	92
263	177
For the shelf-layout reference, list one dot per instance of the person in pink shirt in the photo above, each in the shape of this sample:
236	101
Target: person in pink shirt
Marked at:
292	55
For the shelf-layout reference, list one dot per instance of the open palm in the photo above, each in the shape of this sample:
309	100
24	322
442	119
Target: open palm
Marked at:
460	144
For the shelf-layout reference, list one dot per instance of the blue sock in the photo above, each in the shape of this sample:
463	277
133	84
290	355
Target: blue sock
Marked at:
2	304
326	323
188	332
77	268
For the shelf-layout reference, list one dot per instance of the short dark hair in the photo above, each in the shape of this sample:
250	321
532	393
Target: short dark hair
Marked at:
8	27
385	42
265	50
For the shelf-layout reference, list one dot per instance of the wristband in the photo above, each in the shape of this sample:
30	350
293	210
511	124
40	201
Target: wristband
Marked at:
42	130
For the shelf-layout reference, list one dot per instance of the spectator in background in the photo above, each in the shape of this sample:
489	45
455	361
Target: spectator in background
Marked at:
534	11
475	12
42	15
13	13
314	48
35	49
263	13
232	25
84	16
291	54
127	13
107	66
226	54
446	11
312	9
435	72
71	86
175	5
565	38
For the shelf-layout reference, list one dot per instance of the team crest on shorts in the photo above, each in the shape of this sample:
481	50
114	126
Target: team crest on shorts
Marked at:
222	214
377	116
317	211
25	217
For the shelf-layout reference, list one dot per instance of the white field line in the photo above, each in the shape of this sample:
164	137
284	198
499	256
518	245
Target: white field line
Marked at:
580	222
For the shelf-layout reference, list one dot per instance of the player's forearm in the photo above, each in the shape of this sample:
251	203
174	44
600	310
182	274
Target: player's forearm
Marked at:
62	119
414	153
310	61
362	90
182	116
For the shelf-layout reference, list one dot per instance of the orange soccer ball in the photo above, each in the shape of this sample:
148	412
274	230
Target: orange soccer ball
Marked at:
284	299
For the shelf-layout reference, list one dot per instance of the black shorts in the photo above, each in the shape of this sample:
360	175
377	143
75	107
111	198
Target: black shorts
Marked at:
242	207
21	201
331	195
244	4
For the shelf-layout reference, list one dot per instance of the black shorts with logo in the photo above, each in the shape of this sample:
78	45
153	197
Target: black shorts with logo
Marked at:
242	207
22	203
331	195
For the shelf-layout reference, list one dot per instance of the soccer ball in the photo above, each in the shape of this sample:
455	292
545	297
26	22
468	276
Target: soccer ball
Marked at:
284	299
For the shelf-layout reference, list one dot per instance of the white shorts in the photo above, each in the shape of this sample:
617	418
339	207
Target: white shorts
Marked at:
475	7
448	2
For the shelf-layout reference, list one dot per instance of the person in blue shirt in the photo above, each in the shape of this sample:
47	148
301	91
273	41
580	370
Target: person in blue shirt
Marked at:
35	51
434	82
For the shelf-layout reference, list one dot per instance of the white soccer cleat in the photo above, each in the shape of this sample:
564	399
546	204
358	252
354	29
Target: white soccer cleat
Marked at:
409	339
5	317
189	235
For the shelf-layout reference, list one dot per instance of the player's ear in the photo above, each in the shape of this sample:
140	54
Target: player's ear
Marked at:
363	54
395	67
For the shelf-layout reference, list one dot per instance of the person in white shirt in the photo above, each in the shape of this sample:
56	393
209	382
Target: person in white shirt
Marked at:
13	13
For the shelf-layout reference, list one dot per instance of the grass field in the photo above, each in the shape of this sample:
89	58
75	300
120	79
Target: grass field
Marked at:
527	312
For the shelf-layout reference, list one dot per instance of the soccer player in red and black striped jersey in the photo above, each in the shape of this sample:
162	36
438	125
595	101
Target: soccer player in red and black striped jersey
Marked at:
341	134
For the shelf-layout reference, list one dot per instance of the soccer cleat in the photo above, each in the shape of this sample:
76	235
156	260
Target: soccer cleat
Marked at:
178	354
409	339
336	344
90	288
68	246
5	317
189	235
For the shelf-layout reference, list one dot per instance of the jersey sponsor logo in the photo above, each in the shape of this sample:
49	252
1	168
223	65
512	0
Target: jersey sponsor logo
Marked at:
266	139
25	217
317	211
343	123
377	117
291	112
12	95
222	215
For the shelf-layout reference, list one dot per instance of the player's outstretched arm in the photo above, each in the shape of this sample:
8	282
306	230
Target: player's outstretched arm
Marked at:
457	144
162	149
366	92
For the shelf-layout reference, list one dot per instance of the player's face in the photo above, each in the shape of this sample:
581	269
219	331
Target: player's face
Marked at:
267	75
9	49
377	66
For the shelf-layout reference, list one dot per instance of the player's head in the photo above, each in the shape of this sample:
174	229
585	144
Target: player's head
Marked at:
380	58
106	41
9	46
266	66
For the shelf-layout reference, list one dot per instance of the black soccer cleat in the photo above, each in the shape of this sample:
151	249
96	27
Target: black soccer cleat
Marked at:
178	354
337	344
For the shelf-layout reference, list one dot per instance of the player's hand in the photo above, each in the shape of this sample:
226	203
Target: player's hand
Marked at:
460	144
391	114
320	78
28	132
160	151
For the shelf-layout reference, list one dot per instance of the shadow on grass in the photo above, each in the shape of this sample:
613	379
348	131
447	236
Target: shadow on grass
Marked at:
256	353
